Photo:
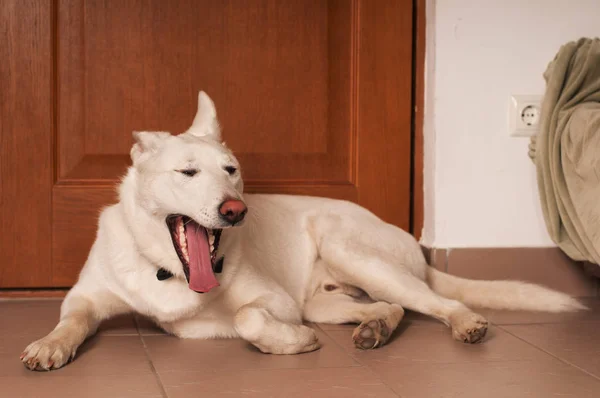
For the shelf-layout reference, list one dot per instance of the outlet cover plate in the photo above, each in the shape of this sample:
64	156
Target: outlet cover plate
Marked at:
521	122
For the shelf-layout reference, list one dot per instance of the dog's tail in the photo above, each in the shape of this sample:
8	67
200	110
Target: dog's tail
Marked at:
501	295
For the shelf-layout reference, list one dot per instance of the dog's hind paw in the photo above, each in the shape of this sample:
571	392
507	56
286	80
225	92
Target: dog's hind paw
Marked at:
470	328
371	334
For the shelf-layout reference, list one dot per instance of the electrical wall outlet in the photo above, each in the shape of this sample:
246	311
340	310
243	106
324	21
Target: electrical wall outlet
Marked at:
524	115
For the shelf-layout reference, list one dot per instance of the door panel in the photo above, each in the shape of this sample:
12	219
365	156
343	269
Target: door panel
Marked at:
75	213
26	131
314	97
138	65
383	150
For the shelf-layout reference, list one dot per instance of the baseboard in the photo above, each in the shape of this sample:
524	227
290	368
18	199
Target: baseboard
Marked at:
33	293
547	266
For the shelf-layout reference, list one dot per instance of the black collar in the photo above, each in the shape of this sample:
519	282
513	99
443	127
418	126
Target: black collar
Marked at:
163	274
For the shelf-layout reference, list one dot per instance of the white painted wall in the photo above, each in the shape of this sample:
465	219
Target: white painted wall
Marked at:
480	185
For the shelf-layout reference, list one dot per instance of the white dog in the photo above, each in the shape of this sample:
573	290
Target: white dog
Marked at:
291	258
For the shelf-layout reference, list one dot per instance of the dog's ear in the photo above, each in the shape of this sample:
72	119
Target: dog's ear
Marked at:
146	144
205	123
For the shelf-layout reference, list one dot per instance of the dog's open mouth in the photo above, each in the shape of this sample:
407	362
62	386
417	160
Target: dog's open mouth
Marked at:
196	247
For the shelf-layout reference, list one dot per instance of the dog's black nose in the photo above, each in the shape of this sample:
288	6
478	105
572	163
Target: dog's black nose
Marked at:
233	211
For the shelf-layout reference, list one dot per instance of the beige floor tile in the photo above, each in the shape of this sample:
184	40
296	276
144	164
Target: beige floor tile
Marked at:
146	327
172	354
52	385
576	343
422	360
543	378
99	356
21	322
123	325
548	266
110	355
417	343
39	317
329	327
277	383
28	318
411	316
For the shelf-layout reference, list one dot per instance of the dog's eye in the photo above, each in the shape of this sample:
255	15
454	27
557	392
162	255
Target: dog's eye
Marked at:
230	169
188	172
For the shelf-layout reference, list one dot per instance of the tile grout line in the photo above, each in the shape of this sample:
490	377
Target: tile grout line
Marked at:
447	259
551	354
339	346
538	323
362	365
163	391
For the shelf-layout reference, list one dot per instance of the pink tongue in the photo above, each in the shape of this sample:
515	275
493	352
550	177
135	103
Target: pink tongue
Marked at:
202	278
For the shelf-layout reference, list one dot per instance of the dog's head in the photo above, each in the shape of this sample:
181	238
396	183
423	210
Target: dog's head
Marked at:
194	183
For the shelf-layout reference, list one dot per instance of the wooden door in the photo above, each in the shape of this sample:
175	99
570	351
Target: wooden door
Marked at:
314	96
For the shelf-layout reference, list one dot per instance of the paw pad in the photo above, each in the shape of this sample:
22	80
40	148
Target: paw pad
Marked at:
371	334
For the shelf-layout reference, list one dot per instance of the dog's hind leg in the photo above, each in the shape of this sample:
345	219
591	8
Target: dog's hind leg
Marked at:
377	320
387	263
80	316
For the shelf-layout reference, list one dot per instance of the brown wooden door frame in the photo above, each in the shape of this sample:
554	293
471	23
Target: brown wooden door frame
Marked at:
419	36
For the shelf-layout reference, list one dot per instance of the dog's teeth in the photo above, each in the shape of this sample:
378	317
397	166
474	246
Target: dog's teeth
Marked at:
211	239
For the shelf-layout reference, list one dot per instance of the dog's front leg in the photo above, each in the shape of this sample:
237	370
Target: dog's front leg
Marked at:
260	324
79	318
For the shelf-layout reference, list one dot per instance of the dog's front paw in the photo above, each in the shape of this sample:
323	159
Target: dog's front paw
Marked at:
309	343
47	353
296	339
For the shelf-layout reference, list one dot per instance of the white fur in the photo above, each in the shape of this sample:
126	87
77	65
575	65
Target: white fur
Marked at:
294	258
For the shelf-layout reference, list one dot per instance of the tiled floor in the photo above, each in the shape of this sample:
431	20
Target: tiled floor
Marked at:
524	355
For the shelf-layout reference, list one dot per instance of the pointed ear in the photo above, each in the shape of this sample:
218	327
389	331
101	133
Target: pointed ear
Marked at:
146	144
205	123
